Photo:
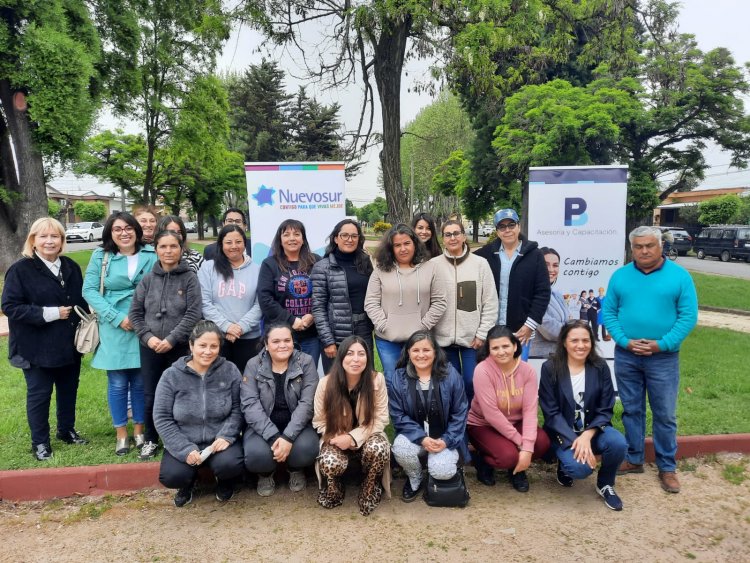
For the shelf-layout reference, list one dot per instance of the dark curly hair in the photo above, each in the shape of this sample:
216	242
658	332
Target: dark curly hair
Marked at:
384	257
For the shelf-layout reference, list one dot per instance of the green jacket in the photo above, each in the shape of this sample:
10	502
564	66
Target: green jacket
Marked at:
118	348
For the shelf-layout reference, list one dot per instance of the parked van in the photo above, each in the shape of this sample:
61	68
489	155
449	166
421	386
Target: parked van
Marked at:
724	241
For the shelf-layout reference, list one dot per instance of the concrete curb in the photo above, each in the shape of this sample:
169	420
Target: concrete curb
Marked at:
44	484
724	310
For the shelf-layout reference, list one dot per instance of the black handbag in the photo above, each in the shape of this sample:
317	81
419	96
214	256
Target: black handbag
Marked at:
447	492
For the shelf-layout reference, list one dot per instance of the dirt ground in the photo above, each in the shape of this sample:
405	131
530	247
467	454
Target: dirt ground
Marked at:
740	323
708	521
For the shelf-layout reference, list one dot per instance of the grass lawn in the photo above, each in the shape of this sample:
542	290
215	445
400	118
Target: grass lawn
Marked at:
713	399
722	291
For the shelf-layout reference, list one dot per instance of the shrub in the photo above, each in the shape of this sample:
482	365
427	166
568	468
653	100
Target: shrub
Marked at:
381	226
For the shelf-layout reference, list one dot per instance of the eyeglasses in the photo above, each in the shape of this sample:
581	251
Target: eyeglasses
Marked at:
506	226
454	234
348	236
118	230
234	222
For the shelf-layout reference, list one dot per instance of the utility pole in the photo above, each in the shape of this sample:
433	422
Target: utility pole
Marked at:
411	190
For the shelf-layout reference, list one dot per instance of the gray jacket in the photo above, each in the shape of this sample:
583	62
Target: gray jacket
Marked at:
166	305
191	411
258	393
330	303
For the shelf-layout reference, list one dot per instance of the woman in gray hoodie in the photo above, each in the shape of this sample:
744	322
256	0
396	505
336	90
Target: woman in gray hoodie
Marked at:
165	308
198	416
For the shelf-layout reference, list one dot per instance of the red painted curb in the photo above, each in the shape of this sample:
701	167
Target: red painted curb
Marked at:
42	484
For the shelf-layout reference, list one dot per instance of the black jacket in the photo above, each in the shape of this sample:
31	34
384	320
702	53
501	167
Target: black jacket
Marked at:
559	406
30	286
529	290
331	306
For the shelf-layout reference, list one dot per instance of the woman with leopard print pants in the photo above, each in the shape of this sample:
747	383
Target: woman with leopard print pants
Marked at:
351	413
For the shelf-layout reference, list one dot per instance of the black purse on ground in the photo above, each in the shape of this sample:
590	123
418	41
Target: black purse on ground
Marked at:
447	492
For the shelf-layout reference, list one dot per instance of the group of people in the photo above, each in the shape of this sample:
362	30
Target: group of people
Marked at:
219	358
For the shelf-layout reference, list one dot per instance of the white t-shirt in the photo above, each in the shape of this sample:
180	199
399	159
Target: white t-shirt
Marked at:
578	381
132	265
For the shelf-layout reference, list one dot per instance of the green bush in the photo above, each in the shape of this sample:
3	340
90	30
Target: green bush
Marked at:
90	211
381	226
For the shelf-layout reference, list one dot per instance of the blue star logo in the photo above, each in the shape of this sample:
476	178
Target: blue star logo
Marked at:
264	196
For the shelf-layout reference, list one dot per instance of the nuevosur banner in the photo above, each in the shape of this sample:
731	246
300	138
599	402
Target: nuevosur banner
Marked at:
579	211
311	192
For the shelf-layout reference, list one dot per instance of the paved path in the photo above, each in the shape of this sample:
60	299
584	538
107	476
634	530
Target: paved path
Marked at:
735	268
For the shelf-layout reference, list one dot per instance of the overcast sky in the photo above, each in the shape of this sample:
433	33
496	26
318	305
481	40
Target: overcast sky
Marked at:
718	23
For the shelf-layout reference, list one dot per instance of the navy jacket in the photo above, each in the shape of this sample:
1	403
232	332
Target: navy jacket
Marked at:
559	407
402	403
529	290
30	286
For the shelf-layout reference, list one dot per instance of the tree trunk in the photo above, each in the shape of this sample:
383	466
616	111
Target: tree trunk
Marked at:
23	179
388	66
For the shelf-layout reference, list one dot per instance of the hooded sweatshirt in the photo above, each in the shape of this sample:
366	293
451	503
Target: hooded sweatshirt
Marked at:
166	305
471	298
401	302
234	300
501	400
191	411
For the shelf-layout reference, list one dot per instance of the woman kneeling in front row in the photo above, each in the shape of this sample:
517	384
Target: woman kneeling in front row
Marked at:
277	393
197	413
351	413
577	398
429	407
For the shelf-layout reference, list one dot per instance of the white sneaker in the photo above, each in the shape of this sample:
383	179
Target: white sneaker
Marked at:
266	486
297	481
148	451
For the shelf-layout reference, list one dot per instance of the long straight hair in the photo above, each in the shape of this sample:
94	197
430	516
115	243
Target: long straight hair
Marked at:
560	357
339	415
432	245
221	262
306	256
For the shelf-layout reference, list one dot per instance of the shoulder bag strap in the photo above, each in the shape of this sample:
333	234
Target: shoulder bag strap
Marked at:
105	260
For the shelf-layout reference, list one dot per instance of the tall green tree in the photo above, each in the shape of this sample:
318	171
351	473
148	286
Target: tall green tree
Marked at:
316	129
720	210
50	86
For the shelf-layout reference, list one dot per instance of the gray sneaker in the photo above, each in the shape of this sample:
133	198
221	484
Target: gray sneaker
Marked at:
148	451
297	481
266	486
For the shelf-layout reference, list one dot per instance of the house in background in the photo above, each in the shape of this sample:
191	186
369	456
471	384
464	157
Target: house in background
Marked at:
668	213
66	201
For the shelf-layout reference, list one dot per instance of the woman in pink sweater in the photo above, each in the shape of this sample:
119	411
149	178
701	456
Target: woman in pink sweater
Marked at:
502	423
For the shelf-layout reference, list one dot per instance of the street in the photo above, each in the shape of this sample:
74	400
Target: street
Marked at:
734	268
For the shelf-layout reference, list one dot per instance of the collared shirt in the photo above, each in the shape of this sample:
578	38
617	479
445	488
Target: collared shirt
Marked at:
51	313
504	283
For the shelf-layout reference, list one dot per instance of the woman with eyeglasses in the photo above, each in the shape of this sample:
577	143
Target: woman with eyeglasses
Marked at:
114	271
339	287
404	294
472	302
556	315
166	306
577	399
285	286
426	229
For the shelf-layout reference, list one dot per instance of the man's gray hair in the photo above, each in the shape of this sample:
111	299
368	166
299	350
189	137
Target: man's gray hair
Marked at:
645	231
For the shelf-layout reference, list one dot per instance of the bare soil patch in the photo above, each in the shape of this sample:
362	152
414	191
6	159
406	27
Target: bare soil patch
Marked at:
708	521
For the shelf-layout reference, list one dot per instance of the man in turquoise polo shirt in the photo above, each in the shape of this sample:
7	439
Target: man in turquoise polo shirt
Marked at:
650	309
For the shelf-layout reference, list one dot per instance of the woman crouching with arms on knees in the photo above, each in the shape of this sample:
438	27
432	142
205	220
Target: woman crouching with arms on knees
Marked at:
429	408
577	398
197	413
502	422
277	394
351	413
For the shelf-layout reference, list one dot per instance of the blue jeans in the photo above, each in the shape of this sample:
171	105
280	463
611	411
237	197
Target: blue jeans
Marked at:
464	360
659	376
120	381
525	349
610	444
389	353
311	347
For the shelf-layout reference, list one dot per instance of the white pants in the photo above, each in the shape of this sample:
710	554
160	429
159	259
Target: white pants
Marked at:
441	465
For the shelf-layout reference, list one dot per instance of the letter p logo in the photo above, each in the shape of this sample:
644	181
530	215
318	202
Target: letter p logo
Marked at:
575	212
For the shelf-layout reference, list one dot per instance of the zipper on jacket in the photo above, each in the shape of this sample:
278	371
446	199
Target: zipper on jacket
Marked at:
203	390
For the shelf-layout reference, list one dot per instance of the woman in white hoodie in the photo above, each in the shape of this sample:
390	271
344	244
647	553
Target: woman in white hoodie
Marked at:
404	294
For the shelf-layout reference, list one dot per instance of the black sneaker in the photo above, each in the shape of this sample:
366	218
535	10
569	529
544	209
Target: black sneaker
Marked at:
409	494
72	437
519	481
485	472
224	490
183	496
607	492
563	477
42	452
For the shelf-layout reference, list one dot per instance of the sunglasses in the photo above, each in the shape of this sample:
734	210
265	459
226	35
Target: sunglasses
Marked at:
454	234
506	226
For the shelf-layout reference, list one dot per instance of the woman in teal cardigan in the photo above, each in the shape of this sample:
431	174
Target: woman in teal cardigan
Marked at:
124	261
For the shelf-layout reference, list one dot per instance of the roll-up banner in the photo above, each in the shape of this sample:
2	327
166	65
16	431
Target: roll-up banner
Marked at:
579	211
311	192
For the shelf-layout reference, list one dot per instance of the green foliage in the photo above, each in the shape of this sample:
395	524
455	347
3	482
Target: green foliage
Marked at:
350	208
90	210
720	210
373	212
53	208
381	227
722	291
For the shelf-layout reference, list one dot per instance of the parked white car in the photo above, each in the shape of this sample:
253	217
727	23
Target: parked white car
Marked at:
486	230
88	231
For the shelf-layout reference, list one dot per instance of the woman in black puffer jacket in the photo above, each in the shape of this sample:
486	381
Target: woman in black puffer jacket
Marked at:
339	286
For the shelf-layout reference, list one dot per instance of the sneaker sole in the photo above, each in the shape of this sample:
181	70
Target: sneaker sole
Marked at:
567	485
615	508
